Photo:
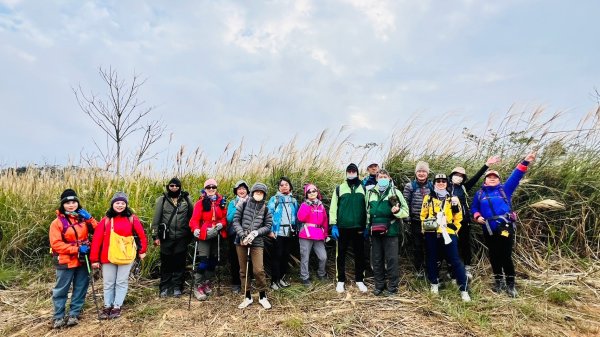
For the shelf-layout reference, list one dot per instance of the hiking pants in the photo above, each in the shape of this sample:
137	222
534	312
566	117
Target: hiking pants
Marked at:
258	269
355	237
172	269
280	256
464	242
79	278
116	282
319	248
234	265
500	251
207	257
417	244
434	243
384	260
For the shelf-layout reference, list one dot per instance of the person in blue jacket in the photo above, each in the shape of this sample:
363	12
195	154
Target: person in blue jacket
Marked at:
240	190
492	209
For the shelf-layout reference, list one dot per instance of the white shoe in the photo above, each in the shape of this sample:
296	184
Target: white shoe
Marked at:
283	284
435	289
340	287
274	286
465	296
265	303
246	302
362	287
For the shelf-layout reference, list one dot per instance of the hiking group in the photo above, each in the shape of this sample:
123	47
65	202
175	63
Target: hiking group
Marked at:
258	230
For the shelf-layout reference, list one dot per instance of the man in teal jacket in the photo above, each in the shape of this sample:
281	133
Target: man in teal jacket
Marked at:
347	217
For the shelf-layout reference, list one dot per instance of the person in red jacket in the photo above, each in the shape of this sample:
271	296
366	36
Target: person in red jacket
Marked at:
208	220
119	220
69	241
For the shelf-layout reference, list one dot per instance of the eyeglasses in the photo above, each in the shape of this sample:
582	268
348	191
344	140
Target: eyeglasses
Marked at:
173	186
312	191
211	187
440	181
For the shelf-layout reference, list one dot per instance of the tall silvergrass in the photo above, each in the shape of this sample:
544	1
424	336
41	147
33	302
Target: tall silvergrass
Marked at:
566	171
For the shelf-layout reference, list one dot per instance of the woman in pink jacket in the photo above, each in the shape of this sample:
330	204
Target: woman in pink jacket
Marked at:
313	232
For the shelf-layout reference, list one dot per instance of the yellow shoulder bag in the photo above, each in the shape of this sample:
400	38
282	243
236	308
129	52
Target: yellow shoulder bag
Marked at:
121	249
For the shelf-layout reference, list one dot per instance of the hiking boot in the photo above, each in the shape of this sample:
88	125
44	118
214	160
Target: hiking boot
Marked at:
435	289
377	292
465	296
177	293
199	294
274	286
339	287
265	303
362	287
512	291
58	323
115	313
283	284
105	313
236	289
390	292
322	278
73	320
499	286
306	283
246	302
207	288
164	293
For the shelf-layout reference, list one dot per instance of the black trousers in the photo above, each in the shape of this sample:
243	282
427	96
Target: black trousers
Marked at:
280	256
354	237
172	269
500	250
418	244
234	264
464	242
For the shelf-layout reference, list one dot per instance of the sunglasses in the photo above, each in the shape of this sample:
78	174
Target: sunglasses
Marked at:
173	185
211	187
440	181
312	191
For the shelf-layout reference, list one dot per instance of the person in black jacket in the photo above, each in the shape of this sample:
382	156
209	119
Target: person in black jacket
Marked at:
459	187
171	231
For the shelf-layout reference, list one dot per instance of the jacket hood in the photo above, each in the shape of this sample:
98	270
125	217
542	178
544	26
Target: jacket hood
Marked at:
238	184
259	187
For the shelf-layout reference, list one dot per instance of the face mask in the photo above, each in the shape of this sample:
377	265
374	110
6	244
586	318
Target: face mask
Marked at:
457	180
351	176
383	182
257	197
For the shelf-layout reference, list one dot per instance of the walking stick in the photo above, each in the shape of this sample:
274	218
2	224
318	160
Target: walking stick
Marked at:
247	264
218	263
89	268
193	277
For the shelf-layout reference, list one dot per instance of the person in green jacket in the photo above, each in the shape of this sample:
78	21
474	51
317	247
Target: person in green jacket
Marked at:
385	207
347	218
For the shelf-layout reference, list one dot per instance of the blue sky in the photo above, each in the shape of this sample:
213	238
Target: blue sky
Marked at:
220	71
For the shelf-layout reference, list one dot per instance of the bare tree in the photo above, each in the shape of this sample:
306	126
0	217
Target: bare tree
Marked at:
119	115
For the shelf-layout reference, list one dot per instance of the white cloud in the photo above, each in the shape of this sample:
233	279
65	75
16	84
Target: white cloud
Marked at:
379	14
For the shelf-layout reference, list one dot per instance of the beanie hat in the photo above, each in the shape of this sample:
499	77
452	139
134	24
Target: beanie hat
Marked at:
68	195
238	184
174	181
210	182
286	179
352	167
422	166
119	196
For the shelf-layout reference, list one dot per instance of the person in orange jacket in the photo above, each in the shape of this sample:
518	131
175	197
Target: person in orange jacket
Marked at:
69	242
208	221
119	220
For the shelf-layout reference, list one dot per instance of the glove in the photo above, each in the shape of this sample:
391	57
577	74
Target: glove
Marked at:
197	232
84	249
219	226
248	239
366	233
223	202
335	233
84	214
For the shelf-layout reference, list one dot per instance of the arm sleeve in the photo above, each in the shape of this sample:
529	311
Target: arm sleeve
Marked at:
475	205
475	178
97	240
230	211
403	212
156	218
271	206
196	215
267	227
139	229
237	221
513	180
425	207
56	242
303	212
333	208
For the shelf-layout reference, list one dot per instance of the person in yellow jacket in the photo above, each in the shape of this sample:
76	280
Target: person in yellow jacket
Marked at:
441	215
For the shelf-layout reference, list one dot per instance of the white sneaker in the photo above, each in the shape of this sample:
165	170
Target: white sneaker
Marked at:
265	303
340	287
283	284
274	286
362	287
246	302
435	289
465	296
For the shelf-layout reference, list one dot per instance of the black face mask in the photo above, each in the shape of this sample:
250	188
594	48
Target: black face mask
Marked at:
353	181
174	194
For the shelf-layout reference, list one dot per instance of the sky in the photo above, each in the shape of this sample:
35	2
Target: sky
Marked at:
219	72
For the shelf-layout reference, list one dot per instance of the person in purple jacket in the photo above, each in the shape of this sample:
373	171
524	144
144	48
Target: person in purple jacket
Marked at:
492	209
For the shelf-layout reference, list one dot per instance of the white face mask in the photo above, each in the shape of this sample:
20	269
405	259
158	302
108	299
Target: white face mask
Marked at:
351	175
457	180
258	197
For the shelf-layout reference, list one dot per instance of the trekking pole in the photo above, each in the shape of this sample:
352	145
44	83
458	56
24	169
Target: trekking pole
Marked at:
193	277
218	262
89	268
247	264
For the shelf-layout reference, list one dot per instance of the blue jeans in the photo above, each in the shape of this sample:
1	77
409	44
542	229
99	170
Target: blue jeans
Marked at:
116	282
79	277
434	245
